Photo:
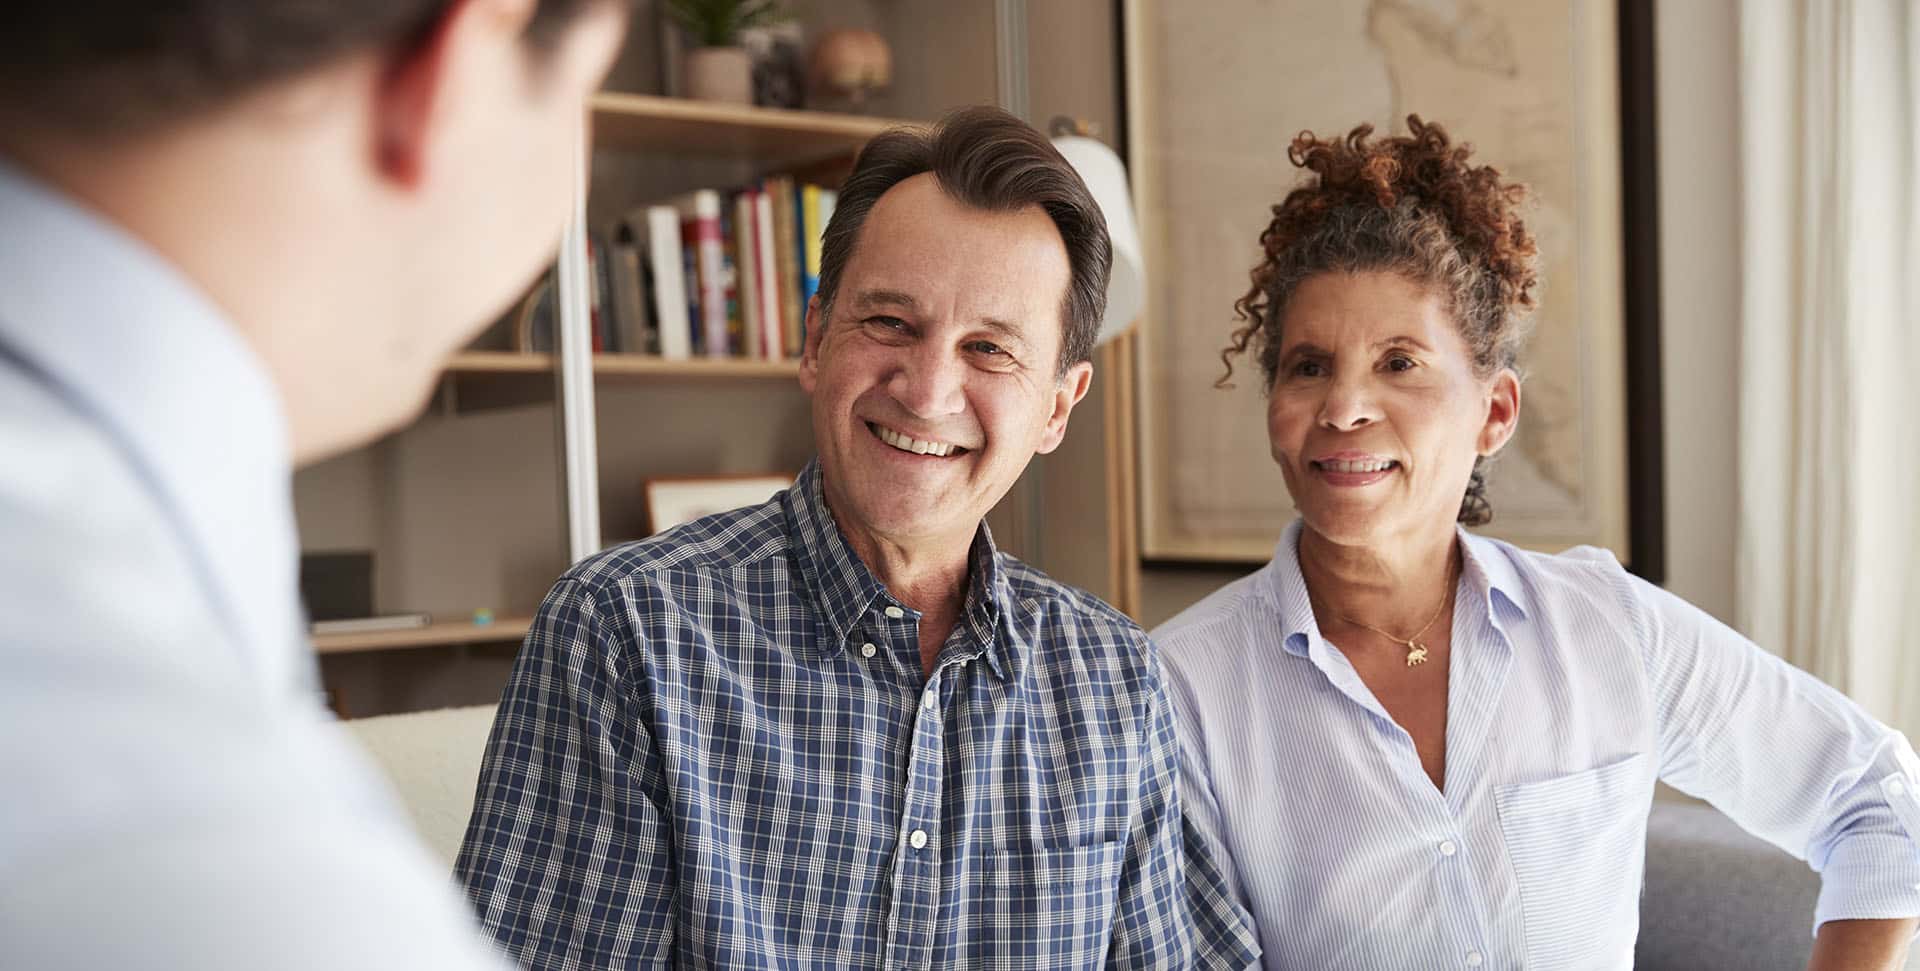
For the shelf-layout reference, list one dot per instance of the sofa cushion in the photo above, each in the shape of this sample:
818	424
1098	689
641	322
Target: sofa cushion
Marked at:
433	761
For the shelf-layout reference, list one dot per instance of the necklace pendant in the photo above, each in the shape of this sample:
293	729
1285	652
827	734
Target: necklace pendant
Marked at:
1416	654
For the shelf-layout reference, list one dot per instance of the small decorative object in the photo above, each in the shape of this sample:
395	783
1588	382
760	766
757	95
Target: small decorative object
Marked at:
671	501
719	69
482	617
533	322
779	65
851	64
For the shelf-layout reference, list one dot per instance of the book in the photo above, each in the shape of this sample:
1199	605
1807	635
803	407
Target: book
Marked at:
632	330
766	279
829	198
598	309
690	272
746	249
700	231
793	311
366	625
811	227
665	262
730	281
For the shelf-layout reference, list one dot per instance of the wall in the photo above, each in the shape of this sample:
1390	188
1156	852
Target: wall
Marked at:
1697	46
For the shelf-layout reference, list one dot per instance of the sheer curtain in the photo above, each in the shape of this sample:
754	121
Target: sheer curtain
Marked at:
1829	521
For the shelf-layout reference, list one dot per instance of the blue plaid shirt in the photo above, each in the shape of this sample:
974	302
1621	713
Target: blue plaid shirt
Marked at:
718	749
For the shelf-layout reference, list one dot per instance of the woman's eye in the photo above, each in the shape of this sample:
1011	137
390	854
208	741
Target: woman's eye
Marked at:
1308	369
1400	362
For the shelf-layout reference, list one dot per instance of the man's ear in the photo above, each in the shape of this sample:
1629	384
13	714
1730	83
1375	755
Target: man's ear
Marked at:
810	348
1503	413
410	94
1067	392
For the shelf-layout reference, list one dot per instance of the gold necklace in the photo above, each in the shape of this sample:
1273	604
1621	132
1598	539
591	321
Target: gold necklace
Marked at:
1416	651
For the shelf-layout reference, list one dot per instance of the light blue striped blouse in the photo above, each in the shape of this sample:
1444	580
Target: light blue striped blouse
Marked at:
1574	685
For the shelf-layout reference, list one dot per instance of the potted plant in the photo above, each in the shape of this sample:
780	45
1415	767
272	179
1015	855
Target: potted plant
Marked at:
719	69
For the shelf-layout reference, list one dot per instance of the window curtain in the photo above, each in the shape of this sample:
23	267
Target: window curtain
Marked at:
1828	557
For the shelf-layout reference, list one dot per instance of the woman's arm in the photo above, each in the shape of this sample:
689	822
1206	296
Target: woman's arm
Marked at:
1862	945
1787	757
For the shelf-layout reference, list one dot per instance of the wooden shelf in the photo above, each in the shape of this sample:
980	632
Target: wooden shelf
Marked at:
432	635
616	365
770	138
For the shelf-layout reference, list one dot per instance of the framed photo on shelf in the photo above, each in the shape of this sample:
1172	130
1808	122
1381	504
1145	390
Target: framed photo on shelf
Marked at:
675	500
1535	86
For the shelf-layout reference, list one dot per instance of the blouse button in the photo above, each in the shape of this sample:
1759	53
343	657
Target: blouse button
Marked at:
1447	848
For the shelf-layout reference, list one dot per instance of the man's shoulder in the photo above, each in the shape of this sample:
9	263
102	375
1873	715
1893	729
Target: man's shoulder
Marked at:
1028	585
720	544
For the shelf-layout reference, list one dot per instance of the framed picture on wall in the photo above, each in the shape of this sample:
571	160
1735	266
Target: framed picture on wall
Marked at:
1535	87
674	500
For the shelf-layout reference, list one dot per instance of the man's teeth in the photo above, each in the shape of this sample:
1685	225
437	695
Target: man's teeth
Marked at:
914	445
1369	465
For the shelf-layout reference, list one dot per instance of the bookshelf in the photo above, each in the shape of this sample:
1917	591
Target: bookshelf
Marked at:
469	506
625	365
472	506
432	635
770	138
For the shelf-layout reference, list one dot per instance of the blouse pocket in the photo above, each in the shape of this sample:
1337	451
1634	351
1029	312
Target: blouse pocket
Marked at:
1577	844
1048	907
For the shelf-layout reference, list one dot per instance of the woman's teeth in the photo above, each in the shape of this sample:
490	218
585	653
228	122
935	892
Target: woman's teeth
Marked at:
1369	465
914	445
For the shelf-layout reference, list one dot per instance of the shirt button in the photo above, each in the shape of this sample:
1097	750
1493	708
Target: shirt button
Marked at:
868	650
1473	959
930	700
1447	848
918	839
896	613
1896	787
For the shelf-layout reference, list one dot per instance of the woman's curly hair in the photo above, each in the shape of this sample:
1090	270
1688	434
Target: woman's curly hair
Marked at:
1412	205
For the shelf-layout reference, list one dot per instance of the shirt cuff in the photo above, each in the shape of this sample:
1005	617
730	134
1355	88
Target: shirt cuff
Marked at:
1876	876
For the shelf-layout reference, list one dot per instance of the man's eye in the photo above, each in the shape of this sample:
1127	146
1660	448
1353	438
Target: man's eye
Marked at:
988	347
890	323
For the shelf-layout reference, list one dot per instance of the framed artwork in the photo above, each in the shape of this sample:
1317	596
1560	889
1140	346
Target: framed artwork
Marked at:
1535	86
674	500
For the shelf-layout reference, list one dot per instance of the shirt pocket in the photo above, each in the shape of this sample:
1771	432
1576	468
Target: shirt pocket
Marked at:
1577	844
1051	907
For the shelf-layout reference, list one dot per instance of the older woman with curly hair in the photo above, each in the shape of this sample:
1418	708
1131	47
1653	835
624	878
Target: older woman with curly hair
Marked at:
1426	748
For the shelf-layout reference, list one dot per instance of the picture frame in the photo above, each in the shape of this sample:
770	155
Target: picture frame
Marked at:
677	500
1550	92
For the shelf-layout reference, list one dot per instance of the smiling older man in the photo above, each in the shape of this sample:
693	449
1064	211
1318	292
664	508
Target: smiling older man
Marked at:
840	730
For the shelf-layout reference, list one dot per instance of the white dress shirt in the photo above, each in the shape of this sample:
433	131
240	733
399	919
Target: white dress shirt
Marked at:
172	794
1573	686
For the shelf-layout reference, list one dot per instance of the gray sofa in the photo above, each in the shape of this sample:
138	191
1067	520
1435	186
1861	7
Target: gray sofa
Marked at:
1715	898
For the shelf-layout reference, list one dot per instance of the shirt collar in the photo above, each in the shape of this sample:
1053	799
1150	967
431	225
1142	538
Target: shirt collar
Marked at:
135	347
1490	571
1486	567
845	591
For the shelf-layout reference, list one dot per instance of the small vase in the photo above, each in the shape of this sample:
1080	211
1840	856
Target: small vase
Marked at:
720	74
